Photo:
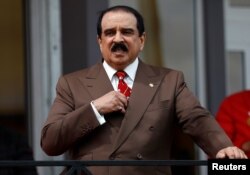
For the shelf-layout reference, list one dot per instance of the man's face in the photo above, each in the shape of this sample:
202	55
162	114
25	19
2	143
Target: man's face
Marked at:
120	43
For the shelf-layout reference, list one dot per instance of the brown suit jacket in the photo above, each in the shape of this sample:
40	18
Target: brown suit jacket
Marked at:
159	100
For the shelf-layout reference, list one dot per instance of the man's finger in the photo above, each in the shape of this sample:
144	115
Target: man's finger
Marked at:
220	155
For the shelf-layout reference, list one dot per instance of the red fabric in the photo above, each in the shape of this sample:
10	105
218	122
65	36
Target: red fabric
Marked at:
234	115
122	86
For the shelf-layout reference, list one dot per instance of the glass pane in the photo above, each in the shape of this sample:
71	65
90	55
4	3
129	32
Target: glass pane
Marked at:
170	34
235	71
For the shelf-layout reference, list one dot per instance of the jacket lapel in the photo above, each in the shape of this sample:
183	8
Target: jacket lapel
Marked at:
145	86
97	81
98	84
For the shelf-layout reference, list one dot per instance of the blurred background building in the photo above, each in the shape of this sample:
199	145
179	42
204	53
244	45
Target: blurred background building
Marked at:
41	39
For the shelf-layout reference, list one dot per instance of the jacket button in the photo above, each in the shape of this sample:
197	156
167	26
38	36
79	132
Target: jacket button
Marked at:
139	156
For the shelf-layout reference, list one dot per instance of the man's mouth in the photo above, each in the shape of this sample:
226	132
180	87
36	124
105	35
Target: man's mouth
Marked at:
118	47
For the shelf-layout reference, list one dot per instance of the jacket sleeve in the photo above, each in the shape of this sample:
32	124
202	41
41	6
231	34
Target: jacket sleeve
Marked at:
197	122
66	124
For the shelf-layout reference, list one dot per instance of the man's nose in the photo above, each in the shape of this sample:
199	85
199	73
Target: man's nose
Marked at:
118	37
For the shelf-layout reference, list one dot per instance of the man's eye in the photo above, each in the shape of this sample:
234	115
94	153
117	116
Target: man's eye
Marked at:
109	33
128	32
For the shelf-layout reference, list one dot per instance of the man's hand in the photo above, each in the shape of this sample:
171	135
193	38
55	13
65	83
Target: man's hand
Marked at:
231	152
111	102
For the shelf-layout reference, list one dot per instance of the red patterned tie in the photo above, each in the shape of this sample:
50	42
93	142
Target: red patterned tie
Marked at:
122	86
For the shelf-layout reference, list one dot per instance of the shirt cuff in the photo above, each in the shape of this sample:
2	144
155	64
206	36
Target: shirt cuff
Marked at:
99	117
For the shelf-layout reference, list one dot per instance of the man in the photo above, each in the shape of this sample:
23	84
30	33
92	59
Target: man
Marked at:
94	119
234	117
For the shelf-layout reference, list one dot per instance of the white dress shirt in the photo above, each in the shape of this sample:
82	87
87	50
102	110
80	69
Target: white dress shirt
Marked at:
129	79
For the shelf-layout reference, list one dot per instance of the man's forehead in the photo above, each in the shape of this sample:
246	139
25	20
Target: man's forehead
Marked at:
119	12
120	17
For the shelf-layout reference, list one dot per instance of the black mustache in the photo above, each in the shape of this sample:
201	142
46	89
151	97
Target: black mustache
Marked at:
119	46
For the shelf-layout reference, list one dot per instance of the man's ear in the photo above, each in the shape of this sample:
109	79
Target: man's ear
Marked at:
99	42
143	39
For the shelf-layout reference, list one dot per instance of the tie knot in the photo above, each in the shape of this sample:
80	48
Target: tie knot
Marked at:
122	85
121	75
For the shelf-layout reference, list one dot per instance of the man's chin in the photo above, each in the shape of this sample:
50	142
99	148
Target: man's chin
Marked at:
119	63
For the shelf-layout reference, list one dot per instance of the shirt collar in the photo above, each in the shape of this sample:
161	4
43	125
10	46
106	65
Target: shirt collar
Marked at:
130	69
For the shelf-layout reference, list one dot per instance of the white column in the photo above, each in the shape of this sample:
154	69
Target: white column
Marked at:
45	48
